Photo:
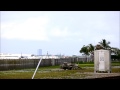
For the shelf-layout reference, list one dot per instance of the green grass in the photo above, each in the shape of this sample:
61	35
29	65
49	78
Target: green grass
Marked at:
48	72
50	67
115	63
41	74
86	65
92	64
81	65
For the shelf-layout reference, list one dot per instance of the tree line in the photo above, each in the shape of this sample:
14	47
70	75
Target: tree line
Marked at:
103	44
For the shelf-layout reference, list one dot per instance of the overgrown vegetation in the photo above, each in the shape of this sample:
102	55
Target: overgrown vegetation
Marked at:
49	74
103	44
53	72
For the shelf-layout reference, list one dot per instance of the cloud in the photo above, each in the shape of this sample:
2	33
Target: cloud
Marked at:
65	34
77	26
57	32
35	29
29	29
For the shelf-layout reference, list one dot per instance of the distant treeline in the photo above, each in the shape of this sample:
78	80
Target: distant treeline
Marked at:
115	57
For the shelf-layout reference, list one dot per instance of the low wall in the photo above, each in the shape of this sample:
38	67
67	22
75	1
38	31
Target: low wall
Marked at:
10	64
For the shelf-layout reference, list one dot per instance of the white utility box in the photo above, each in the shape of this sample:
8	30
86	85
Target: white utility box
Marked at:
102	61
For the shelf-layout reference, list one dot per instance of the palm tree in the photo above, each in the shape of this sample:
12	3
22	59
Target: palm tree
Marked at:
84	50
115	51
105	44
91	51
91	48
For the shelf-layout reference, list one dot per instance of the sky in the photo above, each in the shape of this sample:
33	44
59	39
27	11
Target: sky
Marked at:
56	32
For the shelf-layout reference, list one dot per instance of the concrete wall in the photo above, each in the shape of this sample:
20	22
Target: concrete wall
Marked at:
9	64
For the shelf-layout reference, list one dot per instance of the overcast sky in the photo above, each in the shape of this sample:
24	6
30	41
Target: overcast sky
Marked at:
58	32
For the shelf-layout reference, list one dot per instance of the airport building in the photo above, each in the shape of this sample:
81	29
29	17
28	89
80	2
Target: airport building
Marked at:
26	56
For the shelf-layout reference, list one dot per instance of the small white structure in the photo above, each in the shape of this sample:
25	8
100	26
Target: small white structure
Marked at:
102	61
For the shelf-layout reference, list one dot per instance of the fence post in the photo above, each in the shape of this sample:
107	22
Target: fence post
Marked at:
53	62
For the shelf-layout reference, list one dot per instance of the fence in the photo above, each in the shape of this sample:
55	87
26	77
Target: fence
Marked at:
11	64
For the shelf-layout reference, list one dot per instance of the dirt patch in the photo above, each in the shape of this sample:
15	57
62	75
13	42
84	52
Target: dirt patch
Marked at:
100	75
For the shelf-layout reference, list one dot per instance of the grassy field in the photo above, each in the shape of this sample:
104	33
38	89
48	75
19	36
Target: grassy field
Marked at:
92	65
48	73
52	72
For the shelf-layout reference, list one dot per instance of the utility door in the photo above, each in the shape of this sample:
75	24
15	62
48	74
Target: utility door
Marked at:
101	61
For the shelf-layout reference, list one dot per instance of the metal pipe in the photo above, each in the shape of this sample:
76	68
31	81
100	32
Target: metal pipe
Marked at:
37	67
